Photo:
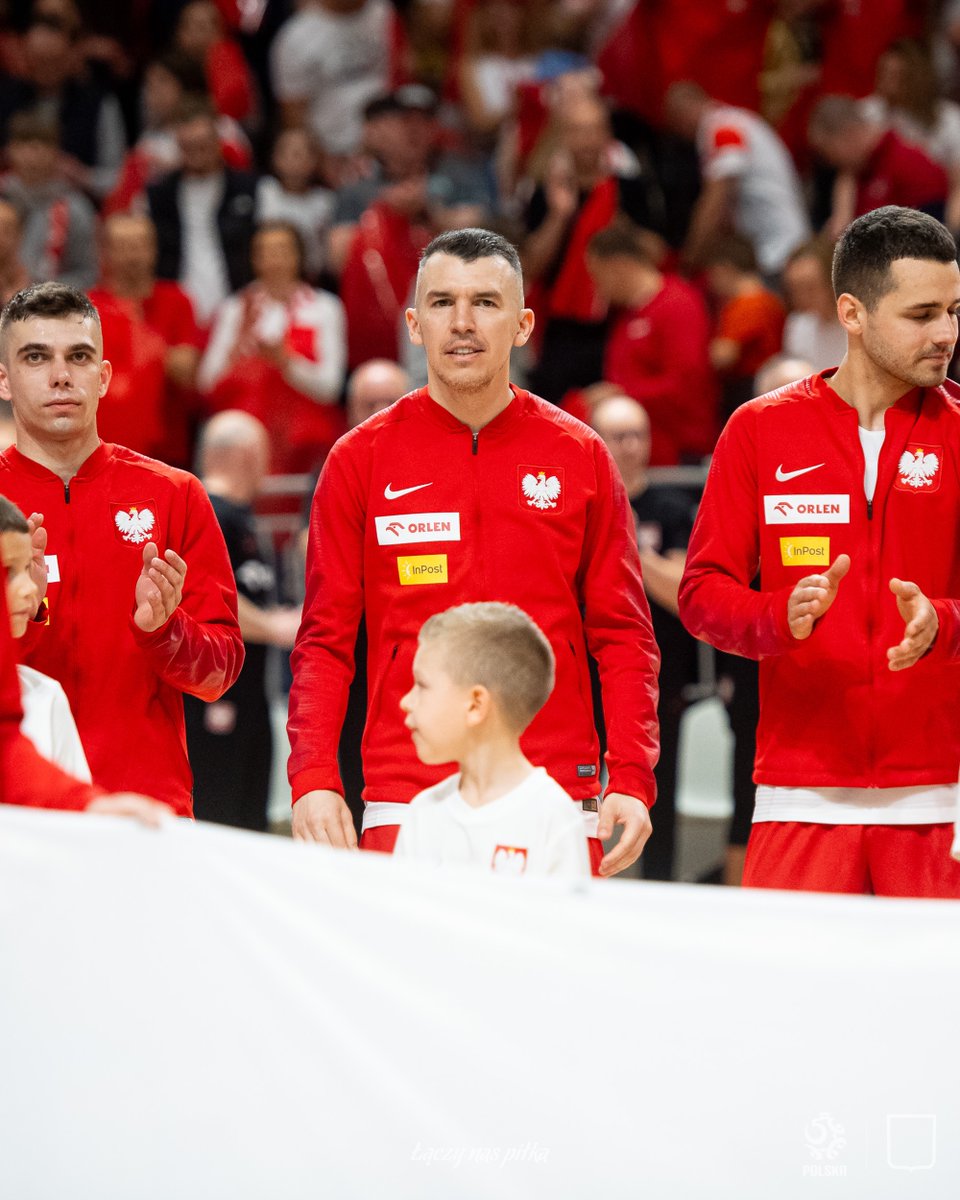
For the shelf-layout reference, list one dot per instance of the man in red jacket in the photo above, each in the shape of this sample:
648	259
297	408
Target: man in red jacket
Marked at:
843	490
472	489
122	627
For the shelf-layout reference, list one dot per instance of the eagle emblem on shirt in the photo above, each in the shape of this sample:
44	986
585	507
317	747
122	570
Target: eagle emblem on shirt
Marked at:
509	860
135	524
541	490
918	468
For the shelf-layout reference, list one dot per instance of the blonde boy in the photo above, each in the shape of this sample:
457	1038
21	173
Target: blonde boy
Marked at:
47	719
480	675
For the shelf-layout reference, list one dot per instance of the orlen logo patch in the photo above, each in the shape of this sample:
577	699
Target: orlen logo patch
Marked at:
422	568
418	527
805	551
807	510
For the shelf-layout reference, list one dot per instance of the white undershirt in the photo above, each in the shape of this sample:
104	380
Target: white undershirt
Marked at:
925	805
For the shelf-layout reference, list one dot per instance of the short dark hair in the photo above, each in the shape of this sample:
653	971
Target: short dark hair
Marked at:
46	300
872	243
470	244
620	239
732	250
12	519
30	125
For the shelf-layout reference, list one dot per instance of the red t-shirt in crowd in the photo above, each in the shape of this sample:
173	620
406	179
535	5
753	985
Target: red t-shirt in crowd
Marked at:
659	354
900	173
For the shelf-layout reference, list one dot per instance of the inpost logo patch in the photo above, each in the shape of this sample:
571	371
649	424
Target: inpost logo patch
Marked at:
805	551
422	568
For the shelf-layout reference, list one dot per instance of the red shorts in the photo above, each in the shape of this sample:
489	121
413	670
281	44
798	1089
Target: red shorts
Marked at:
384	837
878	860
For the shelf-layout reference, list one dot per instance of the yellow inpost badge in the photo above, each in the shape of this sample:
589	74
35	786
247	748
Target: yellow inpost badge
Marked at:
805	551
422	568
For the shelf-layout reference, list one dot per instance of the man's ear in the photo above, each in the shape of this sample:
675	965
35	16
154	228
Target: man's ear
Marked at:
4	384
849	312
413	327
106	374
527	320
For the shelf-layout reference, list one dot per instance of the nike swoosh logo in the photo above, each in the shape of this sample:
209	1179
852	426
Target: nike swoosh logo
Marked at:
395	495
783	475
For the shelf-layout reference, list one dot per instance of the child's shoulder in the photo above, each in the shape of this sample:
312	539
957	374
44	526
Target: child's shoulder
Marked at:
438	793
37	685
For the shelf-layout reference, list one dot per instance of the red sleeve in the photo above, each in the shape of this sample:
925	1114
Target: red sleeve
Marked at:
229	80
619	635
25	776
322	659
716	601
199	650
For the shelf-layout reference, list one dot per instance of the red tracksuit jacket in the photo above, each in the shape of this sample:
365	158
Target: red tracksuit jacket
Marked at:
125	686
785	494
414	513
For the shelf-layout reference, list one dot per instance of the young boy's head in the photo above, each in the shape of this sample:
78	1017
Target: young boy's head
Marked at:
16	552
479	669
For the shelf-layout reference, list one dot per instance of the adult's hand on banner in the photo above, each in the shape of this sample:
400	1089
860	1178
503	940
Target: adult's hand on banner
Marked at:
129	804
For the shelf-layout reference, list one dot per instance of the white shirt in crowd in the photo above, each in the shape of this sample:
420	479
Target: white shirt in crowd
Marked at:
823	344
49	724
203	274
337	62
769	207
536	829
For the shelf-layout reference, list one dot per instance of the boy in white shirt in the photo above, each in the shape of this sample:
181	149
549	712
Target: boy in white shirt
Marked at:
47	719
480	675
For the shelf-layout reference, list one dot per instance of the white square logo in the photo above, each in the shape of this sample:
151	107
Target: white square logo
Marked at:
911	1141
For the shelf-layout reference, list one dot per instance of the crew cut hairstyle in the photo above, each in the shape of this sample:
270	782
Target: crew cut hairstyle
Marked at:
46	300
620	239
12	519
470	244
500	648
872	243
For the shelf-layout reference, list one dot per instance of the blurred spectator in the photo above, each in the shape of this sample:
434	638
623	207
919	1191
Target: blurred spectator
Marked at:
328	61
89	123
129	283
907	98
290	194
13	274
581	194
875	165
230	741
812	331
59	223
373	386
381	224
718	44
854	34
169	81
663	518
501	37
749	326
657	351
204	215
277	352
749	180
200	34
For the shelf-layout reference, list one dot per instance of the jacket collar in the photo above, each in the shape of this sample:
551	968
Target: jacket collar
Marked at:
442	417
96	462
909	403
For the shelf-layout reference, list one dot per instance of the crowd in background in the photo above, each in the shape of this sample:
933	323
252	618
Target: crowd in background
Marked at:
244	188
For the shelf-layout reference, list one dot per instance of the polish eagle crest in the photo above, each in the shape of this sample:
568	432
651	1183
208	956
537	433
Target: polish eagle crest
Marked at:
917	469
541	492
135	524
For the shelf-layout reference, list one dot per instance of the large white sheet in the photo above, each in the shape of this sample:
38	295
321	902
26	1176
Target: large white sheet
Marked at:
205	1013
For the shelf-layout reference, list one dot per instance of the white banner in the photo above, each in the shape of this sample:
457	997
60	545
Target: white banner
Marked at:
203	1013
